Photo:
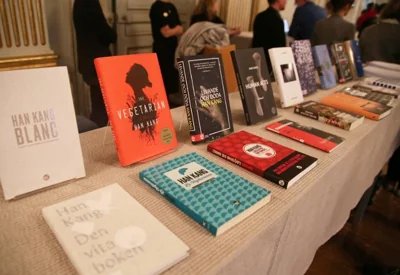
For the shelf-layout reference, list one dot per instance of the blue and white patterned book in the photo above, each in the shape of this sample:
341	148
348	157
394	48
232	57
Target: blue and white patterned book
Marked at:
214	197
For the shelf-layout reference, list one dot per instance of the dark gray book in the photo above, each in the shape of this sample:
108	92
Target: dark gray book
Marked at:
381	98
340	59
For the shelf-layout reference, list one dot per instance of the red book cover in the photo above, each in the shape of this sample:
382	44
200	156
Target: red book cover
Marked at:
311	136
137	106
277	163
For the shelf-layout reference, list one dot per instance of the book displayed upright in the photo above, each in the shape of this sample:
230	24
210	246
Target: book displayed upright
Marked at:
369	109
305	65
286	75
205	97
313	137
329	115
254	84
323	64
108	232
272	161
40	144
341	61
354	56
375	96
137	106
214	197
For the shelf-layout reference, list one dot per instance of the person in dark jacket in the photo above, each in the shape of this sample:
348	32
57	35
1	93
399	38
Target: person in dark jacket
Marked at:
269	29
93	37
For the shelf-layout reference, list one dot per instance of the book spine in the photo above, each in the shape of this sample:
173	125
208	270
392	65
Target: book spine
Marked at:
102	88
211	228
186	97
241	89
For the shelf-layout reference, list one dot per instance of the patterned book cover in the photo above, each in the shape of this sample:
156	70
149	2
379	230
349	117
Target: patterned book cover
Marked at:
316	138
40	143
305	65
108	232
381	98
276	163
213	196
384	83
137	106
357	58
323	64
341	61
369	109
205	96
329	115
254	84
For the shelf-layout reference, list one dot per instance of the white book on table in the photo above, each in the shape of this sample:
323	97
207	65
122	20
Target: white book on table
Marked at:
40	143
108	232
286	75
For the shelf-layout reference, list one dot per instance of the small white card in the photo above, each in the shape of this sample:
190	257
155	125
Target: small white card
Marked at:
190	175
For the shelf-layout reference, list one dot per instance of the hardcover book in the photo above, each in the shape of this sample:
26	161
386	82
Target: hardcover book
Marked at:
211	195
254	84
40	144
323	64
381	98
355	62
108	232
329	115
313	137
274	162
384	83
341	61
137	106
286	75
205	96
305	65
369	109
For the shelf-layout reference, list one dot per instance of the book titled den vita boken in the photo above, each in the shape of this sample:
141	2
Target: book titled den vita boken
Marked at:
254	84
108	232
205	96
137	106
276	163
211	195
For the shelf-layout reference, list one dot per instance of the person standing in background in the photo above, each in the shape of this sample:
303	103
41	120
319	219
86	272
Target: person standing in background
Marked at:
206	10
305	17
334	29
269	29
369	13
166	27
93	38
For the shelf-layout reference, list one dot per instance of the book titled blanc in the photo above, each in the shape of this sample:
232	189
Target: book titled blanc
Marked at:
108	232
39	144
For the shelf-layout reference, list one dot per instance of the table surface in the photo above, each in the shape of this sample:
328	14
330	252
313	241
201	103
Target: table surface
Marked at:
280	238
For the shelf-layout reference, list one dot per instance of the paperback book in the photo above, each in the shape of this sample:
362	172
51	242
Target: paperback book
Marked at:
381	98
274	162
214	197
305	65
323	64
341	61
313	137
369	109
205	97
286	75
108	232
354	56
40	144
254	85
362	86
329	115
137	106
384	83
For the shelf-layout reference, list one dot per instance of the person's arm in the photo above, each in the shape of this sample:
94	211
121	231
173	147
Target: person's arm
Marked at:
295	26
278	36
99	23
256	32
167	32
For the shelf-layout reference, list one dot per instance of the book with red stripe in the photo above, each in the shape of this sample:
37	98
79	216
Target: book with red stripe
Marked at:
308	135
272	161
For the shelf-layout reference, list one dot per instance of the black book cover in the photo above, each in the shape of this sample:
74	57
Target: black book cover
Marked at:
205	96
254	84
341	61
381	98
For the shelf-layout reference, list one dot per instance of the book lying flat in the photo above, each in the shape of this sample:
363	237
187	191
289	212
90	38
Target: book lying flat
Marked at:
330	115
272	161
381	82
313	137
381	98
211	195
108	232
362	86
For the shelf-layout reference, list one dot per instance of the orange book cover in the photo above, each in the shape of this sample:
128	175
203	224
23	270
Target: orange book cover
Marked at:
137	106
369	109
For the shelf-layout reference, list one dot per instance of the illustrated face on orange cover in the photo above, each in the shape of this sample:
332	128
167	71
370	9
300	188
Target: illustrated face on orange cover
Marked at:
137	105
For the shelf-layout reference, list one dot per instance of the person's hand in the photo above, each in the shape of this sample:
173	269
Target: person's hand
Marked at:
166	31
234	31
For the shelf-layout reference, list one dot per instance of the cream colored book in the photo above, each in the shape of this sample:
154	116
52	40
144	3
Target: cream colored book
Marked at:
39	135
108	232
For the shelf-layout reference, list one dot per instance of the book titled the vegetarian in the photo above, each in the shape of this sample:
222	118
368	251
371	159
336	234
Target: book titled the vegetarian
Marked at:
272	161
